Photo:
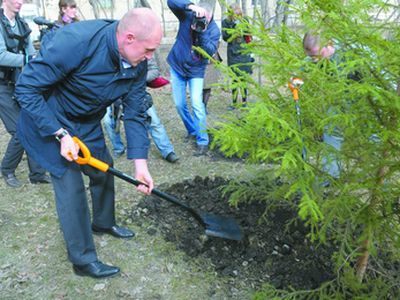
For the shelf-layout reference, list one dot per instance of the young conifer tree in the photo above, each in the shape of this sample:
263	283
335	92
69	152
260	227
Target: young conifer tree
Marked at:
354	96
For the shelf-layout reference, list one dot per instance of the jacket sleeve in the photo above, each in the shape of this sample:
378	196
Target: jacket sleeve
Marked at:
152	70
30	50
54	63
226	24
179	7
7	58
135	117
209	40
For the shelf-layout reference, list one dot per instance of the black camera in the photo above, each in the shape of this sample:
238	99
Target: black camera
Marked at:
199	24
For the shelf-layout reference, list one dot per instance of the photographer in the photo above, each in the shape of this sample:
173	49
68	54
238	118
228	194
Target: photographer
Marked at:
15	50
196	28
238	61
67	15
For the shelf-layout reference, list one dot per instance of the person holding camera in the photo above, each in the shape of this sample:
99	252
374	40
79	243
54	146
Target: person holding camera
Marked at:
196	28
238	61
15	51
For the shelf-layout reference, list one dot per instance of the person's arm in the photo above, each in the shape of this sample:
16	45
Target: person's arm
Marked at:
30	50
152	70
209	40
179	7
143	175
39	76
7	58
135	117
226	25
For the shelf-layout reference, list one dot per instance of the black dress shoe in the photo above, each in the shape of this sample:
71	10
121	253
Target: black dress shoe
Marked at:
42	179
96	270
11	180
116	231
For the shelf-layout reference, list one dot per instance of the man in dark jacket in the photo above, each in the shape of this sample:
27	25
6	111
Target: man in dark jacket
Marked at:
64	92
196	28
15	50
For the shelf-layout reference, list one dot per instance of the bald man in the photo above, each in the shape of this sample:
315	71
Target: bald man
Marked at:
64	92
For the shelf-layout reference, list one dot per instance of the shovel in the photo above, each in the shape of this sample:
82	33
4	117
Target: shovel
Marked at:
294	85
216	226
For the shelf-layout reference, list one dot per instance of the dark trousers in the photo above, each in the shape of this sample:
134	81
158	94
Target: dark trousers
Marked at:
73	209
9	111
235	94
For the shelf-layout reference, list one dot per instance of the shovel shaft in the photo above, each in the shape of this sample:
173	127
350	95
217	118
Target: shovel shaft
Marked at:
214	225
157	192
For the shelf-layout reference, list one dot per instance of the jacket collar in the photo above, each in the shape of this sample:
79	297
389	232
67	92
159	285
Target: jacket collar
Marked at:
112	44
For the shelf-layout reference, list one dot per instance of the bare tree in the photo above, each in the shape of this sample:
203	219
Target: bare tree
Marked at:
244	7
223	3
264	8
93	3
281	12
163	17
144	3
97	7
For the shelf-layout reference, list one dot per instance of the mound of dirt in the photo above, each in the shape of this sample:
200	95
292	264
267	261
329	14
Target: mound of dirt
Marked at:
276	250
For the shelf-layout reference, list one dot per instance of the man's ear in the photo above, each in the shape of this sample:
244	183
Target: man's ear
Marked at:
130	37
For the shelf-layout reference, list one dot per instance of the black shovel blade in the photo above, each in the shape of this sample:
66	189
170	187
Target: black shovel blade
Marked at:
222	227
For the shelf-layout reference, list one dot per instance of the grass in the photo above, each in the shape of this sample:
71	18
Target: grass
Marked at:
33	258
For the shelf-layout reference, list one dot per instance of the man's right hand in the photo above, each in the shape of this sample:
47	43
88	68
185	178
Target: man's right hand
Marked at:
69	149
199	11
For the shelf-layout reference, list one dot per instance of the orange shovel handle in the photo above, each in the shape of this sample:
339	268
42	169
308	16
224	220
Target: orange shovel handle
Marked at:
87	158
295	91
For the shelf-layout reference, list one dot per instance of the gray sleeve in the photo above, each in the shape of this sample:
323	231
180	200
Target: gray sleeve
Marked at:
152	70
9	59
30	50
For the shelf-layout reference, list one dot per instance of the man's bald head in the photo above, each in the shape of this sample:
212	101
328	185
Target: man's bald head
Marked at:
139	33
140	21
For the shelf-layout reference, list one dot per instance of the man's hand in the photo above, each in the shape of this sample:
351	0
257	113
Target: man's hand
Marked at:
69	149
199	11
143	175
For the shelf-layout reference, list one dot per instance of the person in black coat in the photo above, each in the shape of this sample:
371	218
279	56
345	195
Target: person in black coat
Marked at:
237	60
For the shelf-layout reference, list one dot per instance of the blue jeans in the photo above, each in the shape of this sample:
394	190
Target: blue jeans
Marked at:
196	124
158	133
331	164
115	137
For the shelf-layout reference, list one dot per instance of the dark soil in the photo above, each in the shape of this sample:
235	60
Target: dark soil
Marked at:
274	251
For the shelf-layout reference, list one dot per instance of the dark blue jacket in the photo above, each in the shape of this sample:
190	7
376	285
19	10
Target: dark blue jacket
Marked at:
182	58
77	74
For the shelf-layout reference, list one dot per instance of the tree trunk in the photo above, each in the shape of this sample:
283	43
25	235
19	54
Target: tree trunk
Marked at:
362	261
163	17
145	3
264	11
281	12
244	7
222	3
112	8
93	3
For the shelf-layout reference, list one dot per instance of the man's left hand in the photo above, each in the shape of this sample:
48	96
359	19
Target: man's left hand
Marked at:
143	175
